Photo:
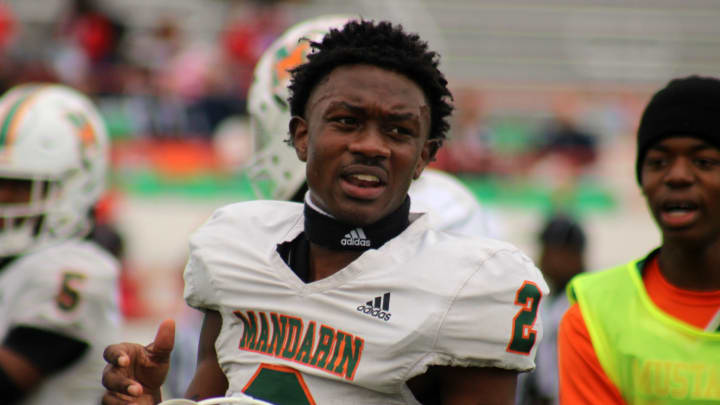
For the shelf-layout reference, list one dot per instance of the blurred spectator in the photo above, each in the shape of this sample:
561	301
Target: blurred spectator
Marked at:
562	256
104	232
563	144
213	81
7	29
563	138
18	63
247	33
93	30
155	48
192	86
469	149
157	81
7	26
88	50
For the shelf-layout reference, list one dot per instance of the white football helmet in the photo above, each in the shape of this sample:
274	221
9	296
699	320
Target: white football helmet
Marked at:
53	137
275	170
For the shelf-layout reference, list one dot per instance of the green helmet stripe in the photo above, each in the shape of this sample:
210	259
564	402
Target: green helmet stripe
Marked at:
5	128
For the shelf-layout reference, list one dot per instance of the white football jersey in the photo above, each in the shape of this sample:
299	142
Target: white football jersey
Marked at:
451	206
69	288
423	298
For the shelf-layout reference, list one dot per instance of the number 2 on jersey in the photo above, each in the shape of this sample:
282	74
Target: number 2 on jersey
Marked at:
523	332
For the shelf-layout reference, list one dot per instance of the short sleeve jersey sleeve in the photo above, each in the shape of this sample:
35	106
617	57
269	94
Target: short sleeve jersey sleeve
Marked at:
210	243
494	320
198	291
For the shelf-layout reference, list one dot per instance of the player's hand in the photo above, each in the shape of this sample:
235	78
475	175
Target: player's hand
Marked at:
134	373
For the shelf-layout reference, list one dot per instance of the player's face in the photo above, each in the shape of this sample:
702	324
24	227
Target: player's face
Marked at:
364	138
681	182
13	191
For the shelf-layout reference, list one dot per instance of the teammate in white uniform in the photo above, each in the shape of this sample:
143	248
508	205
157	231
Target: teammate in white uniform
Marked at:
58	302
349	298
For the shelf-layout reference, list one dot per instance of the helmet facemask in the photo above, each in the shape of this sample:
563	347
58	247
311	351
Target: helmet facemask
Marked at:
23	206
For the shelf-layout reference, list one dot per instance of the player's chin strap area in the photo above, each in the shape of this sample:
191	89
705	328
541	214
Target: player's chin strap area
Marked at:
327	231
217	401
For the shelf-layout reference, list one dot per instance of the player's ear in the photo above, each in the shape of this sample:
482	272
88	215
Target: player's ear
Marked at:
299	136
426	156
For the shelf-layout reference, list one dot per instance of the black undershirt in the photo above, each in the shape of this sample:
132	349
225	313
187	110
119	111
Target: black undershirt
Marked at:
5	261
296	255
47	350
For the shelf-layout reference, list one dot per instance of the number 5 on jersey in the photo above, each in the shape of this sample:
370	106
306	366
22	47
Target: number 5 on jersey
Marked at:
523	332
68	296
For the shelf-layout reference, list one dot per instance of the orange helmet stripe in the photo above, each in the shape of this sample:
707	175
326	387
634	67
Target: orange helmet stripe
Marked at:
9	126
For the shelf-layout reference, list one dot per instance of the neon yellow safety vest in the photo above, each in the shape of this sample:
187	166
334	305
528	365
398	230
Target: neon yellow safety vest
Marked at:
652	357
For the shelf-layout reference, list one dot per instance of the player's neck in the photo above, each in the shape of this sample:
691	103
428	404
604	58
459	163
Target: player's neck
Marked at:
325	262
322	229
691	267
334	244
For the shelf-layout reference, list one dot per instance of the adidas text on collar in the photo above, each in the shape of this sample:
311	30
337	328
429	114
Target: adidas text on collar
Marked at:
356	237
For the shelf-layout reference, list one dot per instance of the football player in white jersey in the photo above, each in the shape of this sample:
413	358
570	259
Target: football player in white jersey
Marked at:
349	297
58	294
276	172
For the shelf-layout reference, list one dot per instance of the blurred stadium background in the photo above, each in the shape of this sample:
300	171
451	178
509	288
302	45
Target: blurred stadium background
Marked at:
548	95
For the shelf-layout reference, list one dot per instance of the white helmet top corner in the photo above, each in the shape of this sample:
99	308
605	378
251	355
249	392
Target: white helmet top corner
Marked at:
451	205
274	170
52	136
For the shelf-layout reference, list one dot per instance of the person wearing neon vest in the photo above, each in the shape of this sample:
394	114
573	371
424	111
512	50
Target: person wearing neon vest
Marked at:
647	332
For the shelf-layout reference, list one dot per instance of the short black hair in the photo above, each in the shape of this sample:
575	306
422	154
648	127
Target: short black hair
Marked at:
561	229
380	44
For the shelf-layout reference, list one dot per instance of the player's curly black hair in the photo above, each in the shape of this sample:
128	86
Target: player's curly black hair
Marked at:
380	44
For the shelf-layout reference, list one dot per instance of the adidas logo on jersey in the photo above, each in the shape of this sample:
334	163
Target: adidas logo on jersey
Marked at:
356	237
379	307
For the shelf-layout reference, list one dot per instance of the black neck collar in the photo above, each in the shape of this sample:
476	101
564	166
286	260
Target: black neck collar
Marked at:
326	231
